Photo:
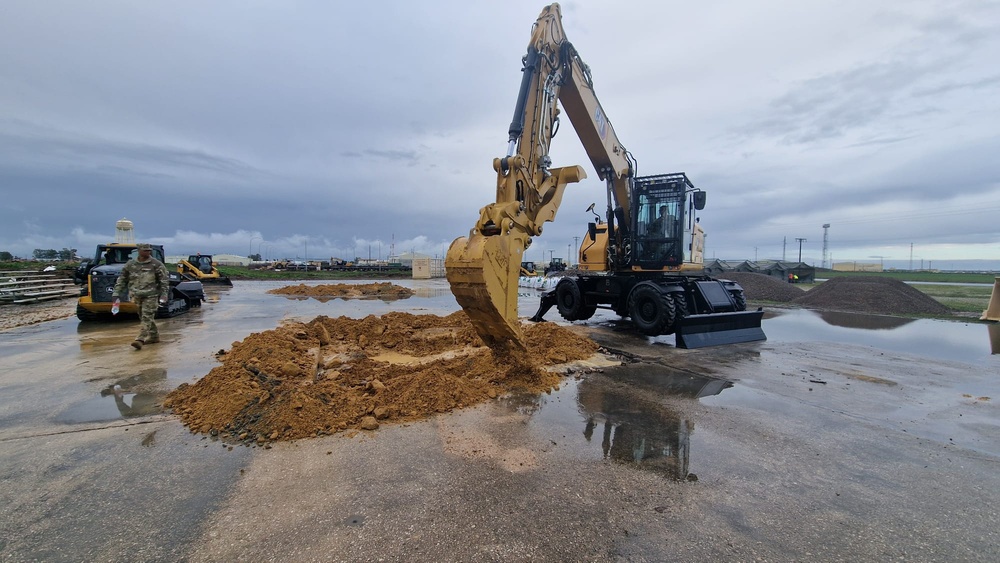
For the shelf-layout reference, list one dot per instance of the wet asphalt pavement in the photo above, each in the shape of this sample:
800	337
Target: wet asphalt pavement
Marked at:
842	437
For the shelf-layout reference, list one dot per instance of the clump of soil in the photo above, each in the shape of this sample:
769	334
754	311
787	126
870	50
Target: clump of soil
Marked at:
325	292
762	287
873	295
333	374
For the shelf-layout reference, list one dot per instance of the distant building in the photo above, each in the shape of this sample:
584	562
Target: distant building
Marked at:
426	267
778	269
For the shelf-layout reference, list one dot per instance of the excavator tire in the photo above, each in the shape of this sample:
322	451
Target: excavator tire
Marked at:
739	299
680	305
651	310
680	311
570	303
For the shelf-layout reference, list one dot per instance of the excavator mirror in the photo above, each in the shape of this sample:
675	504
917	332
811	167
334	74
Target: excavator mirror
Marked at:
699	200
592	231
591	210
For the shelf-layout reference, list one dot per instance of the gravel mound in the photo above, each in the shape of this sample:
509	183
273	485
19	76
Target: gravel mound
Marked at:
874	295
761	287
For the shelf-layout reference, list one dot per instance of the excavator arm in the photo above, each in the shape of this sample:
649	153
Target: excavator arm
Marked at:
483	268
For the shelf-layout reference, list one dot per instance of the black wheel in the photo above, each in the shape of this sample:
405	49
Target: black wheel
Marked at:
569	301
652	311
739	299
680	311
85	315
680	305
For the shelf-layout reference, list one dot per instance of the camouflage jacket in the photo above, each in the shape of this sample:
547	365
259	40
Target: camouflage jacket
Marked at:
143	279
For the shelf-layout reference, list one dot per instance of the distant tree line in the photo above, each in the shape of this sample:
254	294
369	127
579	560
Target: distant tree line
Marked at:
66	254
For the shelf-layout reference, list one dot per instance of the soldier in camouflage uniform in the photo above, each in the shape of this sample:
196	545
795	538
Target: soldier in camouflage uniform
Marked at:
148	285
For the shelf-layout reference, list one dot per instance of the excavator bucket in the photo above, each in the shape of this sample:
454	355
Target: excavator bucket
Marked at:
483	273
698	331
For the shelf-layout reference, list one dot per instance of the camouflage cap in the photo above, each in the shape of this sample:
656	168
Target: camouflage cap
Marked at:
144	246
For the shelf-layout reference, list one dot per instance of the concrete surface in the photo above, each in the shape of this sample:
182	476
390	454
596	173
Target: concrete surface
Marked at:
794	449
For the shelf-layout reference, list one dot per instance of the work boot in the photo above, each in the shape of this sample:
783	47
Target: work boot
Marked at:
137	344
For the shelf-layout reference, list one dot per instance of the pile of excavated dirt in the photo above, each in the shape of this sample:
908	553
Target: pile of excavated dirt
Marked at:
325	292
873	295
762	287
334	374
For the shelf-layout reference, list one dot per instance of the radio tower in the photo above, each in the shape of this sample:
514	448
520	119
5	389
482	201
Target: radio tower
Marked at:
123	232
826	227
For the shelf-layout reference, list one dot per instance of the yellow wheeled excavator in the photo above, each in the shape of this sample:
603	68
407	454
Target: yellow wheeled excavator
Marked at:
644	261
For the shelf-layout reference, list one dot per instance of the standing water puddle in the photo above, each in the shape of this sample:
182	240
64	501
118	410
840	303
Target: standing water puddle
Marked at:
966	342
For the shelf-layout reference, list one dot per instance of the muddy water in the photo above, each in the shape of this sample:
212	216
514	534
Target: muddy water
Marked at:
86	360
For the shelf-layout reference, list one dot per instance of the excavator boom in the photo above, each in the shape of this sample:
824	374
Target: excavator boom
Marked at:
483	268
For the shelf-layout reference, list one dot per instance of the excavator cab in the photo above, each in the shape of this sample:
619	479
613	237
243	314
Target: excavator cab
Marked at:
659	221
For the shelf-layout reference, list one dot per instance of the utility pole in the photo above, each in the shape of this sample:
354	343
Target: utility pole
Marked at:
784	244
801	240
576	241
826	227
755	254
911	256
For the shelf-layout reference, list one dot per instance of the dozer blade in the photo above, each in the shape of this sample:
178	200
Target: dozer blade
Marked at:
698	331
221	280
483	273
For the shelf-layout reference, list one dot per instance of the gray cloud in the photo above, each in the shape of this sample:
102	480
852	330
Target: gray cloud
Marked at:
331	126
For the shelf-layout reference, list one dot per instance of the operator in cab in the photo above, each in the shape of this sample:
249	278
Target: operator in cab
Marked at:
659	225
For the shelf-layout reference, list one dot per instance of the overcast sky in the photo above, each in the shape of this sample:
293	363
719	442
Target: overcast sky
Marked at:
324	129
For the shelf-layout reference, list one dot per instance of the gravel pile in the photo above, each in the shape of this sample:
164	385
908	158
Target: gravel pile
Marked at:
874	295
761	287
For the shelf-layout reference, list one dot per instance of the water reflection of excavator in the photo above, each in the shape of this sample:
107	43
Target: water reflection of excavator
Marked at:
643	261
640	433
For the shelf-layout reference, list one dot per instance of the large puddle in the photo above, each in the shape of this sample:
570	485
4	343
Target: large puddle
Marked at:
105	384
967	342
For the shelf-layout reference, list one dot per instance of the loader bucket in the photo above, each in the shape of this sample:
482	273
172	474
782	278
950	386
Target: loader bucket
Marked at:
698	331
483	272
221	280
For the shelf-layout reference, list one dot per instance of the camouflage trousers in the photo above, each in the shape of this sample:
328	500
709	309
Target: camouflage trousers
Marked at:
147	311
